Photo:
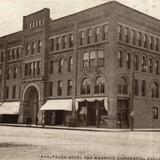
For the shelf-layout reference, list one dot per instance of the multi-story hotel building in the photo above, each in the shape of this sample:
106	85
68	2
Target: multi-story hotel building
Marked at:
98	67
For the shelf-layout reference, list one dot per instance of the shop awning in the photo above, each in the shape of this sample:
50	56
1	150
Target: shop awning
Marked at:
60	104
9	108
93	100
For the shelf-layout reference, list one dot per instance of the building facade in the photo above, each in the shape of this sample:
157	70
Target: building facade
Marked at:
98	67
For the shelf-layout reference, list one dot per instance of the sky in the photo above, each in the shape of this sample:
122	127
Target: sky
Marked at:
12	11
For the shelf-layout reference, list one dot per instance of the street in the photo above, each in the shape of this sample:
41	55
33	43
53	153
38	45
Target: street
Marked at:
24	143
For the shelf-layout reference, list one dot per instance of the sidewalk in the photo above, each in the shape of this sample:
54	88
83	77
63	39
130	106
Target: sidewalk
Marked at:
83	128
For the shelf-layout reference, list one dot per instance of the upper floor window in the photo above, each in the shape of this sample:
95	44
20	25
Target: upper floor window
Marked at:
133	36
59	88
7	92
120	32
86	59
100	58
13	54
39	44
60	65
38	67
8	55
154	90
64	41
85	86
126	33
52	44
70	63
18	52
151	42
27	49
120	58
155	113
14	92
156	44
97	34
50	88
89	36
157	67
128	60
105	31
139	38
122	86
71	38
143	88
136	87
144	64
69	87
2	56
51	66
150	65
15	72
136	63
82	38
33	47
92	58
8	73
58	42
145	37
99	85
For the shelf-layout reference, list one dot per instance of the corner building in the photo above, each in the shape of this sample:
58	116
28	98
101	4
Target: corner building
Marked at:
98	67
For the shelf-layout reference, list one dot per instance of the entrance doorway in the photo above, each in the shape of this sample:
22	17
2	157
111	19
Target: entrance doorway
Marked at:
59	117
122	114
31	105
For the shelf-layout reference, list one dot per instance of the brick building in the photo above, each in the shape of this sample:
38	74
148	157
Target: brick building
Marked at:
98	67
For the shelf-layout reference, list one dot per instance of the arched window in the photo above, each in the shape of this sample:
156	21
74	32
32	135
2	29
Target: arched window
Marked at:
15	71
60	64
120	58
85	86
51	66
122	86
150	65
154	90
136	63
157	67
39	44
144	64
70	63
128	60
99	85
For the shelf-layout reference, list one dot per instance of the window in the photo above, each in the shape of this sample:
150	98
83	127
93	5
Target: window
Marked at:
120	58
157	67
8	73
128	60
86	59
7	92
26	69
150	65
89	36
133	37
139	37
120	32
59	88
51	66
32	48
145	40
71	40
157	44
126	34
14	92
70	63
85	86
105	32
122	86
151	42
82	38
154	90
50	88
143	88
99	85
18	50
92	58
100	58
15	71
52	44
144	64
60	65
27	49
64	42
39	44
155	113
13	54
97	34
69	87
58	43
2	56
136	63
0	75
38	67
34	68
136	87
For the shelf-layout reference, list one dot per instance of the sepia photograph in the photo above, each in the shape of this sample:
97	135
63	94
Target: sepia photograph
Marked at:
80	80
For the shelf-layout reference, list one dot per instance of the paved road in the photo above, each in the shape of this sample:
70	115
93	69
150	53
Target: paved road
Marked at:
20	143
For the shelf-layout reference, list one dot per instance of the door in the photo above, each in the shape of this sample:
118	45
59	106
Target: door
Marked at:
91	114
59	117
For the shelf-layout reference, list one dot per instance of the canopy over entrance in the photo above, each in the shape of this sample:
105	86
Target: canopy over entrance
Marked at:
11	108
60	104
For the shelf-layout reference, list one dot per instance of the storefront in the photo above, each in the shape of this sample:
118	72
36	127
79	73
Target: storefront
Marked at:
9	112
92	112
56	112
